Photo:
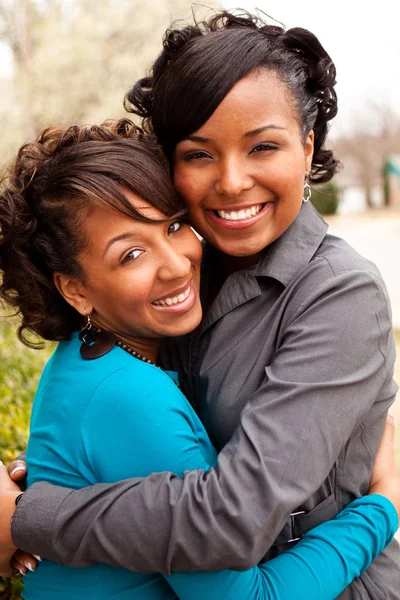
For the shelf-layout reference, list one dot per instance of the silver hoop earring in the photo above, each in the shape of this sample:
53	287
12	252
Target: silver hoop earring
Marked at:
307	191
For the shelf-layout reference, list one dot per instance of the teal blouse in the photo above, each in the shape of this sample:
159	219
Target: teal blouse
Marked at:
117	417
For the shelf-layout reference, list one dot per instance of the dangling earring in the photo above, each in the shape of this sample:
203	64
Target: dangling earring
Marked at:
85	331
307	191
95	342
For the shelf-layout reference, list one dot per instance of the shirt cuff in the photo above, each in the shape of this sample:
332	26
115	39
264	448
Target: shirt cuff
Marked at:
34	517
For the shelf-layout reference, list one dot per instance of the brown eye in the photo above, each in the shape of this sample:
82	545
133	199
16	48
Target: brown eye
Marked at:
132	255
196	155
174	227
264	147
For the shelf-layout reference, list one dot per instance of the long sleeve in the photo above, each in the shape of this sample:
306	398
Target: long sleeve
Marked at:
230	515
319	567
154	427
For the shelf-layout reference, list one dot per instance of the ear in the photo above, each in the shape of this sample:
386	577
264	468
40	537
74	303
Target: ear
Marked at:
309	150
74	292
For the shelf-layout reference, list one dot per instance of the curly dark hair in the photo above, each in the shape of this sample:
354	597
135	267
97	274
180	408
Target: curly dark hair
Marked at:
50	187
200	64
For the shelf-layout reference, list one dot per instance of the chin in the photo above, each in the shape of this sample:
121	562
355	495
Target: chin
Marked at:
184	328
241	250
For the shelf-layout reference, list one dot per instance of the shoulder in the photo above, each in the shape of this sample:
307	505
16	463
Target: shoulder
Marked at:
340	257
336	268
117	373
140	389
133	375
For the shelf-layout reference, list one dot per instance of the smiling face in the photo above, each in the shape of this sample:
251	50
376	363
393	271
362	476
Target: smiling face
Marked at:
141	279
242	173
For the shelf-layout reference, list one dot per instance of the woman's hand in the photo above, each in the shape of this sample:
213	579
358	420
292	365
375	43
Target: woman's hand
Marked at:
384	479
8	493
17	471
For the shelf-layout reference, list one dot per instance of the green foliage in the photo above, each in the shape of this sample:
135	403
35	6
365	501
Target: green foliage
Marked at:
326	198
11	589
19	376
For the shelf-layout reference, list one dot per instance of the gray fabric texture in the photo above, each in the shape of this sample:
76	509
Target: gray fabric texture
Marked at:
291	372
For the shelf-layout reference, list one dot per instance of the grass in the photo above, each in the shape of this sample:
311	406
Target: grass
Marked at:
19	375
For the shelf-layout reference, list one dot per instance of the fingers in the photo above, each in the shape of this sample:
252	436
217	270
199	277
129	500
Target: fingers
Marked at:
6	482
17	470
24	562
387	441
19	567
384	461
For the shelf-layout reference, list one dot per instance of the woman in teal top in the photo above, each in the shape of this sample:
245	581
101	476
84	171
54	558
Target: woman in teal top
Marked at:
93	239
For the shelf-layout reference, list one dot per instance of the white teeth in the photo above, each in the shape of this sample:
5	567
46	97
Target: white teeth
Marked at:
246	213
173	299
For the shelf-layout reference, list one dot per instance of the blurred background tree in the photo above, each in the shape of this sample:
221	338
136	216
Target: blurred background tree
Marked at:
73	60
325	198
364	149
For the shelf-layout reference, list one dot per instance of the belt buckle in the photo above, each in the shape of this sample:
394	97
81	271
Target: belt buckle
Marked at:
300	512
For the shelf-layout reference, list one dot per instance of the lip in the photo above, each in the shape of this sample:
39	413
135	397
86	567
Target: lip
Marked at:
181	307
242	223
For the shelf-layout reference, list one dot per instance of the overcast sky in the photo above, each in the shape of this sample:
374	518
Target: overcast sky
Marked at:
364	43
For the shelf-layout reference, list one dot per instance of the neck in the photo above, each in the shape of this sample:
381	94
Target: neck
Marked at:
231	264
223	266
146	347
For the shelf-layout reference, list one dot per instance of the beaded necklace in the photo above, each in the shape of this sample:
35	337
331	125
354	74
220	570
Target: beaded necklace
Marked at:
98	342
133	352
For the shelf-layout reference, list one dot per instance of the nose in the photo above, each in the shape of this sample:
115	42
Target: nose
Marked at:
233	178
174	264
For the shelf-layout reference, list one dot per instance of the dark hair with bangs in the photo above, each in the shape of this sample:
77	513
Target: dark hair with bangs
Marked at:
200	64
50	188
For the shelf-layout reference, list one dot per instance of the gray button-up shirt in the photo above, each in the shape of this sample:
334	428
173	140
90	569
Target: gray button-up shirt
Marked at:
292	372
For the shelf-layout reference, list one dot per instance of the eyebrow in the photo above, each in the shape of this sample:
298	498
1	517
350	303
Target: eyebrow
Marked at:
197	138
253	132
261	129
118	238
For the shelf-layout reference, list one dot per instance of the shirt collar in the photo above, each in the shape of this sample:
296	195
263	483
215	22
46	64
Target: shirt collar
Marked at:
295	248
282	260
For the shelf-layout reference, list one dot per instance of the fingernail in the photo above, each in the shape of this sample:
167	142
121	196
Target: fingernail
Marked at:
29	565
22	570
391	411
17	469
37	557
1	462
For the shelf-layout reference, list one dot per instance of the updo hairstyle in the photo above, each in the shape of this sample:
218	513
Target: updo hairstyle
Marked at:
200	64
47	194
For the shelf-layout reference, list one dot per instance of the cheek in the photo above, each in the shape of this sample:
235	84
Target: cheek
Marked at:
290	181
188	186
198	254
191	247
